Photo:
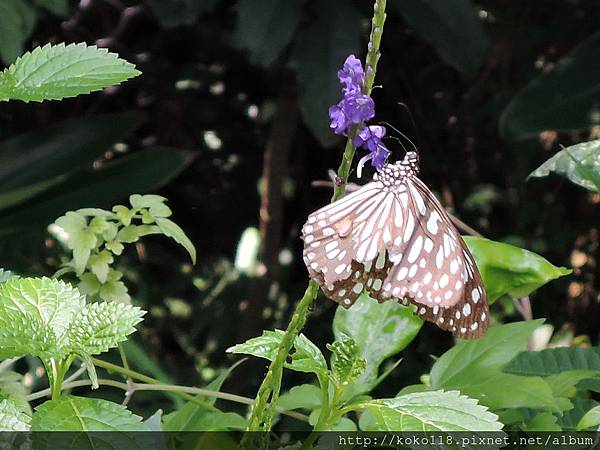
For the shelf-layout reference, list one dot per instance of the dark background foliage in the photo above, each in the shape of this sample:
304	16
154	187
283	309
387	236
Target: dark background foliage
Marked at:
243	87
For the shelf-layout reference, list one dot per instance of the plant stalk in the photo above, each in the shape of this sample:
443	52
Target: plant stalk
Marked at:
262	412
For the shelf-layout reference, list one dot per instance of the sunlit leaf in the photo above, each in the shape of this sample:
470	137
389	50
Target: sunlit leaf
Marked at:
591	419
12	418
430	411
510	270
567	97
379	330
580	163
174	231
54	72
306	396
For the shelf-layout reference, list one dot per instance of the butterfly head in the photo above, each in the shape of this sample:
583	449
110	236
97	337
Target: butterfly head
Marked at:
394	173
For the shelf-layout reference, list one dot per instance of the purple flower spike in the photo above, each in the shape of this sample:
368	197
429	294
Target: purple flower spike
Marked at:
339	123
351	110
352	75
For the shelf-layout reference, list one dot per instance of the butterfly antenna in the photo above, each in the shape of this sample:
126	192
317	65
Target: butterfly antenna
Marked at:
412	120
403	135
397	140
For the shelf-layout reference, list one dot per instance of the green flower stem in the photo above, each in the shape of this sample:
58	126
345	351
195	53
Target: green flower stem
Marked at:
262	414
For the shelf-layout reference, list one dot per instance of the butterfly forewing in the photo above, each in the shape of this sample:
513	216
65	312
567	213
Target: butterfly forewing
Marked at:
393	240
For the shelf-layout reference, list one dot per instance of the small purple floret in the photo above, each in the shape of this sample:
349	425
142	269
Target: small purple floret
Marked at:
352	75
370	137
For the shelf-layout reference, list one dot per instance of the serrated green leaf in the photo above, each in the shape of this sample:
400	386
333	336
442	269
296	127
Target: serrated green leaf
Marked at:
17	19
493	351
336	31
591	419
567	97
54	72
380	330
99	265
580	163
510	270
306	396
71	413
452	27
89	284
114	291
35	314
78	237
11	418
430	411
265	27
306	357
6	275
174	231
554	361
101	326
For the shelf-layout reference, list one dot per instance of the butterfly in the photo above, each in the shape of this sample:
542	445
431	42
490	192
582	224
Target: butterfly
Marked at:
393	240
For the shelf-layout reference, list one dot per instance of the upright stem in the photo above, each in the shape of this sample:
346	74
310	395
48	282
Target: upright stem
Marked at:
262	413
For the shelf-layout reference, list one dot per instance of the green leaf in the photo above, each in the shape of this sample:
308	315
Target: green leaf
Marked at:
99	265
554	361
13	389
59	8
580	163
6	275
55	151
78	237
11	418
54	72
306	357
305	396
35	314
154	422
173	13
154	203
542	422
510	270
493	351
430	411
380	330
569	420
174	231
133	233
139	172
17	19
93	424
101	326
567	97
563	384
89	284
346	366
195	417
591	419
452	27
336	32
114	290
265	27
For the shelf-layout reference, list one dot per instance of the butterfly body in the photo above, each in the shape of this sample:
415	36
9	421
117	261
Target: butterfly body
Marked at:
393	240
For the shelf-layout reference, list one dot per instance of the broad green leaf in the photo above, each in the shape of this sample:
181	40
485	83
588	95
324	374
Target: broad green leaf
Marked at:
35	315
380	330
591	384
567	97
452	27
13	389
59	8
55	151
92	424
306	396
542	422
265	27
174	231
336	32
563	384
11	418
140	172
580	163
196	417
54	72
17	19
591	419
346	365
6	275
554	361
510	270
492	351
498	390
173	13
306	357
101	326
430	411
154	422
